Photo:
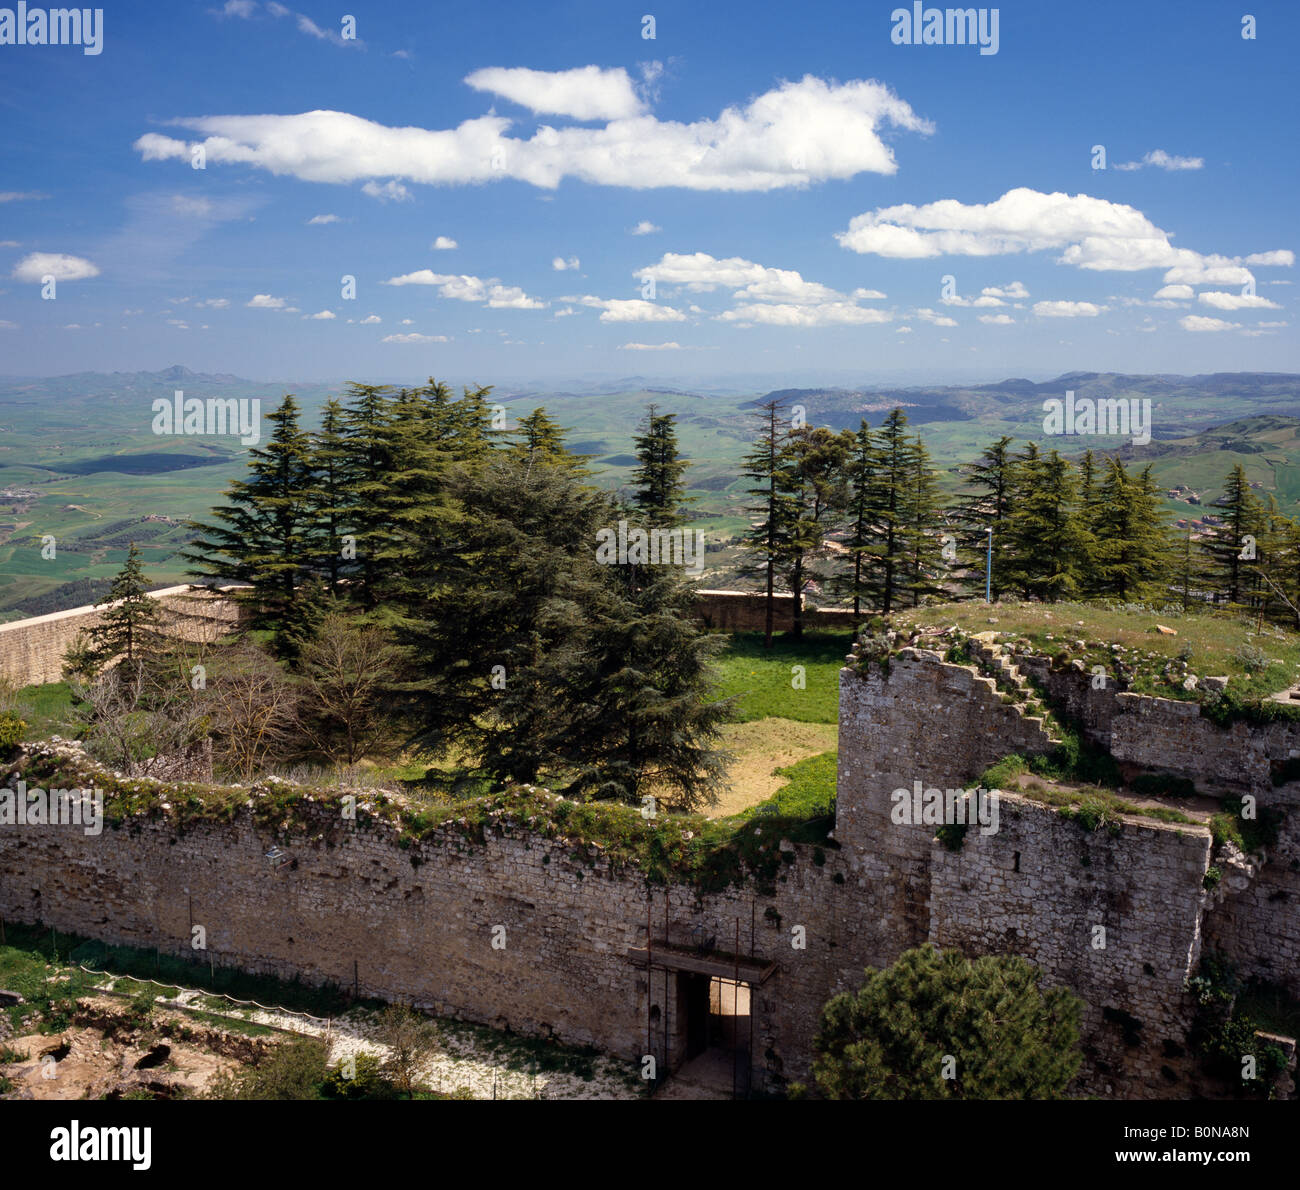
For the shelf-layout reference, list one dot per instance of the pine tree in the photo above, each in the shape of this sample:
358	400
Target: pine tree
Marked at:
1089	494
328	500
1185	569
1233	544
992	476
413	512
365	478
1266	574
937	1025
442	413
539	660
887	557
920	525
475	439
1133	557
639	714
813	482
767	541
1044	540
129	628
265	537
859	471
658	491
541	443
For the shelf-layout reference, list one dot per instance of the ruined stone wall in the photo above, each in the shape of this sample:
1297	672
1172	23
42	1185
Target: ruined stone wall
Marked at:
1041	884
417	923
746	611
1172	736
1115	918
31	650
1253	918
1254	915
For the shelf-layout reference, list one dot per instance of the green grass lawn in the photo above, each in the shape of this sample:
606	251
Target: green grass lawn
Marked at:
47	710
764	683
1257	663
809	793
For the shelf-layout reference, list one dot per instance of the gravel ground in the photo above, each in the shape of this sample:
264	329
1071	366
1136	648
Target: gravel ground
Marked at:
486	1064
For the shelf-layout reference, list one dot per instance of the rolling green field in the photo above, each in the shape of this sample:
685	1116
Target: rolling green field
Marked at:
79	463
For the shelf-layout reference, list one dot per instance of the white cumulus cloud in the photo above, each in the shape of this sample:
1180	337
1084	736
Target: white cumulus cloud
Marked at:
585	93
36	266
1090	233
1198	322
796	134
1236	301
1067	309
629	309
444	244
820	314
1162	160
464	288
390	191
264	301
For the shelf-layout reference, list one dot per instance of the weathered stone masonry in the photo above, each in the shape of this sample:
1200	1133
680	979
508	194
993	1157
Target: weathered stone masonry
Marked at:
417	923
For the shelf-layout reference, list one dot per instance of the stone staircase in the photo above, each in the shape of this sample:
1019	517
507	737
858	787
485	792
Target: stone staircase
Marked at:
1011	679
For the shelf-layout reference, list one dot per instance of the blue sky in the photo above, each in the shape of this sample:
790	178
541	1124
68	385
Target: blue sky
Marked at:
802	185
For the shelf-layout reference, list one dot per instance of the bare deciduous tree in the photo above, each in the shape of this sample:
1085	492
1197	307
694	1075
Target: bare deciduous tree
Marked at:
254	711
144	722
345	672
412	1039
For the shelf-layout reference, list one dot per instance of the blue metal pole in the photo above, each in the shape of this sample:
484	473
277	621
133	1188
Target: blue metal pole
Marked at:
988	571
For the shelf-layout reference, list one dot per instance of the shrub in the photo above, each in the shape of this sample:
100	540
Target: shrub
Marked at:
367	1081
1251	658
412	1039
1250	834
952	835
11	730
891	1039
292	1071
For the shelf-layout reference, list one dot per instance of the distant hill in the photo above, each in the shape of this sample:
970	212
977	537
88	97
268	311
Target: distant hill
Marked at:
78	460
1180	404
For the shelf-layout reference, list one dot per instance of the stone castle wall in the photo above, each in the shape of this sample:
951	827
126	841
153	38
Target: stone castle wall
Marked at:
1116	919
417	923
746	611
32	650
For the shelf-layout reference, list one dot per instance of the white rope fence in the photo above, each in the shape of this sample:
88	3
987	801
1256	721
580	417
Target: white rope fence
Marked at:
326	1021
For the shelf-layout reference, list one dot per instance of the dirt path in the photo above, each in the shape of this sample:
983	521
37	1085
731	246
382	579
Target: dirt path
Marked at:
760	749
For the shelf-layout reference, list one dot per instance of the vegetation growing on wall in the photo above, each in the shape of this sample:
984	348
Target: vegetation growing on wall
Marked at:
1224	1034
665	847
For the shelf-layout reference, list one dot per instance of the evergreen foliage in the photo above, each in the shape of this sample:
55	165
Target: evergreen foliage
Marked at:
937	1025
